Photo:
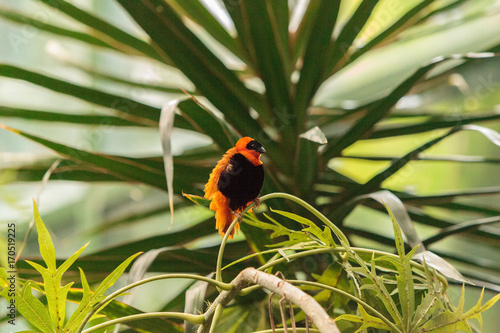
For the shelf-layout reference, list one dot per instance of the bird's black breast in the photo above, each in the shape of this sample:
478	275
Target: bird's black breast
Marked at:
241	181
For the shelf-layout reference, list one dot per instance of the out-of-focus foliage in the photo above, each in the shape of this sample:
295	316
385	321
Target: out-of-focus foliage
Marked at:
360	74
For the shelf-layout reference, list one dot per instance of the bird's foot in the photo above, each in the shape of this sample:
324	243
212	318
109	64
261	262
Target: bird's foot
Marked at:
238	215
256	203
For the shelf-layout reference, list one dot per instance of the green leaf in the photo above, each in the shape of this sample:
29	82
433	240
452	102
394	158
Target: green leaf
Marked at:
346	37
85	119
19	18
115	274
406	288
206	122
376	112
391	30
84	306
195	10
197	199
44	241
367	320
118	36
312	227
399	130
128	108
120	167
197	62
5	284
451	322
33	310
426	308
68	262
314	62
264	28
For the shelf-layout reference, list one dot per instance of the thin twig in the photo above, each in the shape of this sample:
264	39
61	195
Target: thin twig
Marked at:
270	309
282	311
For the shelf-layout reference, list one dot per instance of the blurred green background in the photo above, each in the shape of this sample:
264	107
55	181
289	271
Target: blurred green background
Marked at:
111	214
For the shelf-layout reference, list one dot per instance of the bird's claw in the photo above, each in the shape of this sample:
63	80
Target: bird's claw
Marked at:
256	203
238	215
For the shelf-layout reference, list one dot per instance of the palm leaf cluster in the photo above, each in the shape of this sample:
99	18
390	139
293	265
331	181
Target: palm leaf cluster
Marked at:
318	83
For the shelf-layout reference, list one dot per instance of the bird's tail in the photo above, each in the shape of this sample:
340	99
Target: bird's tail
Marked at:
223	215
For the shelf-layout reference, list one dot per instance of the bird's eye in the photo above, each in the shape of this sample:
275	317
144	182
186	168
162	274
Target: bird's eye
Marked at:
255	145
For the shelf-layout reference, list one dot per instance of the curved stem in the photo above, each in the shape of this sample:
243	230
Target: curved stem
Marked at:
301	202
98	306
342	249
195	319
352	297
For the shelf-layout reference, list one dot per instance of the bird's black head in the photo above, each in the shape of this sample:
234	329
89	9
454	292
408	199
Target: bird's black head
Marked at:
255	145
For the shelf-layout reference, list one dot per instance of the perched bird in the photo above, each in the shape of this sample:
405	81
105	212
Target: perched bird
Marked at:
235	182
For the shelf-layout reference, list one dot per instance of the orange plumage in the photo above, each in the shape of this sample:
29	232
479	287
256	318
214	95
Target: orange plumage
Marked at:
235	182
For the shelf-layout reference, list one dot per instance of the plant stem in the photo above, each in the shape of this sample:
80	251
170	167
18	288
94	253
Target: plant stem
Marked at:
98	306
301	202
217	314
195	319
342	249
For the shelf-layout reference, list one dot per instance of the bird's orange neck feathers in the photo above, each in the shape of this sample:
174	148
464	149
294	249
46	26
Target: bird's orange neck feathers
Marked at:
251	155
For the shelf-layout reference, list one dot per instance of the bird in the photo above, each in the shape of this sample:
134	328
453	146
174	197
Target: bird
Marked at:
235	182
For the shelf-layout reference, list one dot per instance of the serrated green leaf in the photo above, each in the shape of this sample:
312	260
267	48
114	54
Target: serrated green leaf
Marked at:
114	275
68	262
33	310
367	320
84	306
453	321
424	309
312	227
44	241
406	288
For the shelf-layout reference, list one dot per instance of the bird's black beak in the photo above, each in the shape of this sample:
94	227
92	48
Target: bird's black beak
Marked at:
261	150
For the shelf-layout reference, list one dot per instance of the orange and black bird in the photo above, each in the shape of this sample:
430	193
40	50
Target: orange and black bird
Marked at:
235	182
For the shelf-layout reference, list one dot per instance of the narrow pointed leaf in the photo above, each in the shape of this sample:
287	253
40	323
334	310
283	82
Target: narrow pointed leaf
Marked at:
199	14
349	32
137	112
197	62
120	167
272	62
33	310
85	119
392	29
314	62
307	160
44	241
117	35
38	24
376	112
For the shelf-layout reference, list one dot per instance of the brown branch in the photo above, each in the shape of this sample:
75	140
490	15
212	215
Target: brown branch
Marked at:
280	287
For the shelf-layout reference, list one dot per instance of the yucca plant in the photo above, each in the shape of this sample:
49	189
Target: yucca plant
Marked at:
316	82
